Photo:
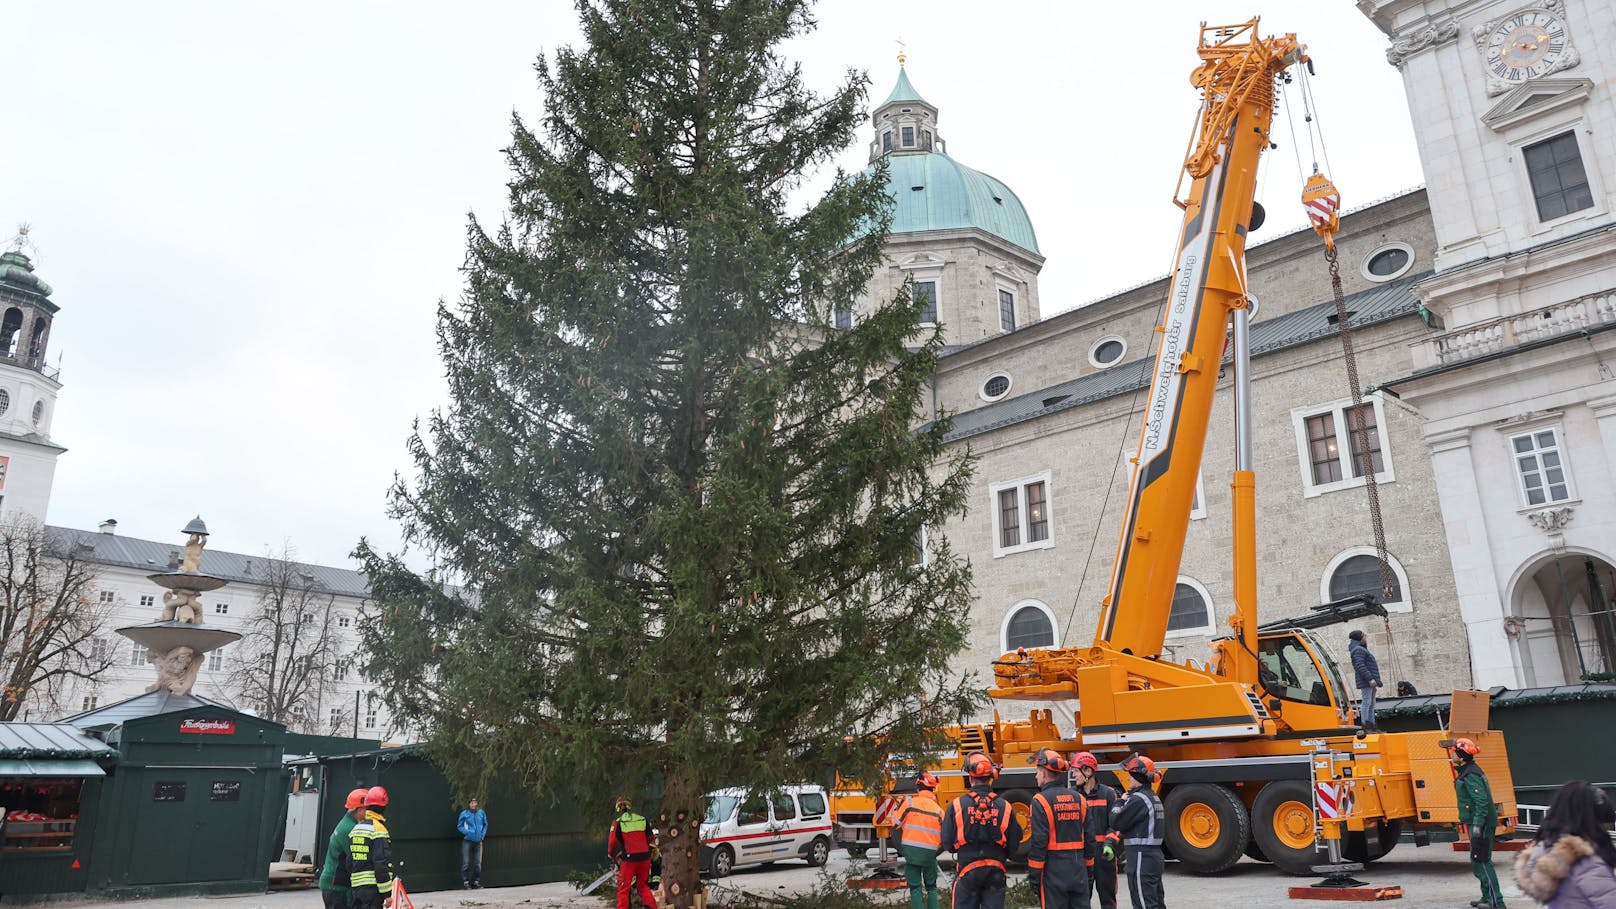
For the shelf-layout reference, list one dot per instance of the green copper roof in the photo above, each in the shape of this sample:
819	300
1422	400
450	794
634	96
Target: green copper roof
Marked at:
903	91
934	192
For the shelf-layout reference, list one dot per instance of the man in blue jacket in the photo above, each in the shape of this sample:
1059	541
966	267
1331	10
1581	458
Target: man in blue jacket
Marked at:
473	827
1366	672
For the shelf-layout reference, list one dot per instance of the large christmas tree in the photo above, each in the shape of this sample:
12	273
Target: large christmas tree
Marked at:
685	519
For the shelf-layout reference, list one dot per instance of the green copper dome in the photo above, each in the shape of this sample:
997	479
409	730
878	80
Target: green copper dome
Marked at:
935	192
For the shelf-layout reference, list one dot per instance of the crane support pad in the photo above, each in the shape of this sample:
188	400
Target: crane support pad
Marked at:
1366	894
876	883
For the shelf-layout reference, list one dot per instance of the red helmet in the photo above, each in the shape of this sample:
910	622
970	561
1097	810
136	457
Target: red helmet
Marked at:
926	780
356	799
979	765
1466	746
1051	760
1085	759
376	797
1141	766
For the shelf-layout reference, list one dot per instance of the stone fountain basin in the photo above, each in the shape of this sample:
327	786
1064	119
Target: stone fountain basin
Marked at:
161	637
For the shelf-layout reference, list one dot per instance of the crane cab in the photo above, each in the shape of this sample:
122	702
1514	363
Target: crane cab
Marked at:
1300	682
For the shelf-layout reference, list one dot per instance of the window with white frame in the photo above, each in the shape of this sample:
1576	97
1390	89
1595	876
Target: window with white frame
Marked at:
336	718
1191	612
925	293
90	701
1021	515
147	599
339	671
221	608
100	650
1028	624
1559	180
1540	467
1331	448
1198	504
1358	571
344	621
370	712
1007	310
137	654
215	660
108	596
843	318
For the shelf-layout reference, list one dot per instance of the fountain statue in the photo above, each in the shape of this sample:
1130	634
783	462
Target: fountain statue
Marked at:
177	644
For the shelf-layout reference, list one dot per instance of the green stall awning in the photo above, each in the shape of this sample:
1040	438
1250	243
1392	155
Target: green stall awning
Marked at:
41	767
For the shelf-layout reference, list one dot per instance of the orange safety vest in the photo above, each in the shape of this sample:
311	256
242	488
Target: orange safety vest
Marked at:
980	817
1066	820
922	822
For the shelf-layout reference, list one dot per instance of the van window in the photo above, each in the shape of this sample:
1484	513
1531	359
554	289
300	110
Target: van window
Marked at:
754	811
812	803
785	808
720	808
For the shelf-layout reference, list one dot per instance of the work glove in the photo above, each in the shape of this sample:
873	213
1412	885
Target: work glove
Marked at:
1109	852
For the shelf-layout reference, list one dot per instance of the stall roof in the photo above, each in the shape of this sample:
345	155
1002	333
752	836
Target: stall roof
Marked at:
151	703
49	749
1501	698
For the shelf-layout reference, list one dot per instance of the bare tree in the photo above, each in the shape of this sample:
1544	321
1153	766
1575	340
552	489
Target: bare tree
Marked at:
289	651
50	616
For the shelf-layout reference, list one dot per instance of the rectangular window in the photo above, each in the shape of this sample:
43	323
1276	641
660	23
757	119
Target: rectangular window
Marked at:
1007	310
908	137
1021	515
925	293
137	655
925	139
148	600
370	717
339	672
90	701
343	621
108	596
1333	449
886	141
336	718
1559	182
100	650
844	318
221	608
1541	468
216	660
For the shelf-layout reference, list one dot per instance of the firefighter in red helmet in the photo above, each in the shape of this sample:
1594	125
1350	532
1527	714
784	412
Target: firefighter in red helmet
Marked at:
1055	865
1101	842
979	829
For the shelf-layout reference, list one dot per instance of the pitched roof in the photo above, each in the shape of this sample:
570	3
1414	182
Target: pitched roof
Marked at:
1383	303
150	703
23	741
150	555
903	91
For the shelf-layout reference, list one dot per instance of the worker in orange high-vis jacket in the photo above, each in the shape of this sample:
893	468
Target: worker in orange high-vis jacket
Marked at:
978	828
1055	865
920	838
1101	842
630	845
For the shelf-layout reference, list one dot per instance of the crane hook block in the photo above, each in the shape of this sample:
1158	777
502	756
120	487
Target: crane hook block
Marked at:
1323	205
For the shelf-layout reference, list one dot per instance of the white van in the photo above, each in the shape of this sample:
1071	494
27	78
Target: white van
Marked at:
741	828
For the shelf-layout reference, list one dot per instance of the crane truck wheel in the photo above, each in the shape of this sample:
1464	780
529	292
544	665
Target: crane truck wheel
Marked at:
1356	846
1207	827
1282	825
1021	807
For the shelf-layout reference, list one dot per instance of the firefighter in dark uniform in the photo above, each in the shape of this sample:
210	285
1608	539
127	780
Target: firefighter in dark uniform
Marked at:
1100	838
370	854
978	828
1140	821
1055	856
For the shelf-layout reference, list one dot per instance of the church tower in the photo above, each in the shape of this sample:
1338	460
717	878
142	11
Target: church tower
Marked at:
1514	110
963	237
28	388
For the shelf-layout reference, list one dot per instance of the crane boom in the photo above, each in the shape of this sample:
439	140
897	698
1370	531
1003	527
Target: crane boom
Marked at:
1236	79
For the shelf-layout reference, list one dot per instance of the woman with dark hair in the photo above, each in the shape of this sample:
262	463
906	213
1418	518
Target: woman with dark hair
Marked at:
1572	864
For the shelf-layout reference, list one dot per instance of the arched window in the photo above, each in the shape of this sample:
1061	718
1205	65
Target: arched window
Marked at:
1357	571
35	345
1192	609
1030	624
8	332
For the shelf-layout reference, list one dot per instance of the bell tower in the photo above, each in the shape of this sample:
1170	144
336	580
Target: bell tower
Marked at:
28	386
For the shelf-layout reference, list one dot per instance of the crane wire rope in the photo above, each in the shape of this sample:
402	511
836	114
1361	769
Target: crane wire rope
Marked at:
1359	454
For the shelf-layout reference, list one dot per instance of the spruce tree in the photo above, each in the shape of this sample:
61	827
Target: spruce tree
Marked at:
680	511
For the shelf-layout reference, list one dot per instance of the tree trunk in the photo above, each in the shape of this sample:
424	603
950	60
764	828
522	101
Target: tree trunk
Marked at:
679	837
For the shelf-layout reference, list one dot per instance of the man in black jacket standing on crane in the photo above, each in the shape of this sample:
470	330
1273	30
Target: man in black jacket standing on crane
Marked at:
1366	672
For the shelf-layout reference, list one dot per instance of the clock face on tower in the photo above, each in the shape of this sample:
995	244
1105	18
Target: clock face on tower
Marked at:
1525	45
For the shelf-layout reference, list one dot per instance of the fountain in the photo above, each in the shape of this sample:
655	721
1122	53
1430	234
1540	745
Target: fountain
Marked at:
178	643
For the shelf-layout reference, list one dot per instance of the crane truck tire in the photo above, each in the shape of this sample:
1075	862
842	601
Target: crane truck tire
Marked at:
1356	847
1207	827
1282	825
1021	806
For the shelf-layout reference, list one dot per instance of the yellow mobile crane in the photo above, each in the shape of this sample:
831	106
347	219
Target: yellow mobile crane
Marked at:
1260	747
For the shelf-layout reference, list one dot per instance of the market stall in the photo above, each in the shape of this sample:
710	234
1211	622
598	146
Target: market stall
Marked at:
51	784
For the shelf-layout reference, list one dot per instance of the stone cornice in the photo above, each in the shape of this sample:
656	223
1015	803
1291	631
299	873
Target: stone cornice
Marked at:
1426	35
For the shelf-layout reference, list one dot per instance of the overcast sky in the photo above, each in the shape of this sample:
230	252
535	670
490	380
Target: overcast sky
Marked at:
250	210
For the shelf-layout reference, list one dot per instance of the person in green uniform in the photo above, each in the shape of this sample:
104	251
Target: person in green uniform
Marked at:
1479	813
334	872
919	827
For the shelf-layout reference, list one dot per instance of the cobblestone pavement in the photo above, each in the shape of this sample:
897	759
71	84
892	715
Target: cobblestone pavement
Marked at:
1430	877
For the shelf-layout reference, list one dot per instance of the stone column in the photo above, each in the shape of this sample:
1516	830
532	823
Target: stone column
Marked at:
1605	417
1481	606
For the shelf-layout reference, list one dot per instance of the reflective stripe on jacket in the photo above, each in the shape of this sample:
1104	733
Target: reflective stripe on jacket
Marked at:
370	854
1057	824
1139	818
966	815
921	822
630	838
